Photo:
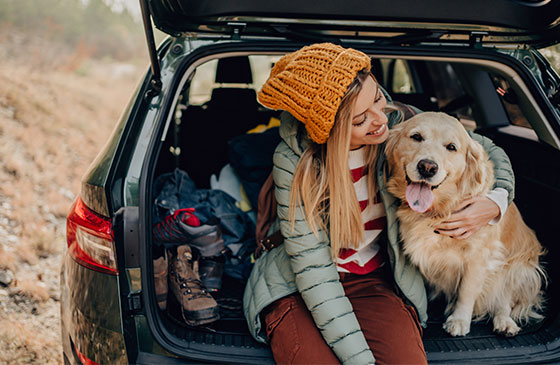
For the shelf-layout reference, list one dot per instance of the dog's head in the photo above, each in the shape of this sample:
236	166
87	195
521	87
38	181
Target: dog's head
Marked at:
434	163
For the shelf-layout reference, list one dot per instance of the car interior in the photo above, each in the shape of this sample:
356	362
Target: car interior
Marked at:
218	102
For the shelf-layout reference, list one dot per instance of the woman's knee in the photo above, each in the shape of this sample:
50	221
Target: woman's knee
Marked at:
391	328
293	336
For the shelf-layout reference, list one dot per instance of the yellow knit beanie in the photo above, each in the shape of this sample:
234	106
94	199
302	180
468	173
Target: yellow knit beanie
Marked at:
310	83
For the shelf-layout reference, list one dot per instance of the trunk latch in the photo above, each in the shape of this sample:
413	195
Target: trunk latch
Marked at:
237	29
475	39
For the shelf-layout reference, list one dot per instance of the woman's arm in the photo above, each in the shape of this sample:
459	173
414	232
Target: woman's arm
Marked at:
316	275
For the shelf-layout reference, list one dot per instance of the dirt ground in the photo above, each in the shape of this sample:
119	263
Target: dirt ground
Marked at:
53	121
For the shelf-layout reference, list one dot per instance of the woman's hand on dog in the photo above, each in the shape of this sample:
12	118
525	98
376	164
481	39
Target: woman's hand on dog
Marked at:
471	215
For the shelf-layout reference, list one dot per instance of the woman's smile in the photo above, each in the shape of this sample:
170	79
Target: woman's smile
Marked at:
378	131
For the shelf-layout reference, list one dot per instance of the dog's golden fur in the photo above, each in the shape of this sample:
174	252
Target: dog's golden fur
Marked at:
496	271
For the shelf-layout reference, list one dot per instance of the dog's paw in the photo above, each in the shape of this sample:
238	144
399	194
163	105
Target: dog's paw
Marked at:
505	326
457	326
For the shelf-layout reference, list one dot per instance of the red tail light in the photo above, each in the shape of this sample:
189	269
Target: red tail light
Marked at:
90	239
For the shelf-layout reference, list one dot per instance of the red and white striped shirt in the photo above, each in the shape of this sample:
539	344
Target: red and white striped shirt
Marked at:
367	256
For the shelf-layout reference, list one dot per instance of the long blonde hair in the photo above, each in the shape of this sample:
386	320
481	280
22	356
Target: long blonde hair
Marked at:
323	183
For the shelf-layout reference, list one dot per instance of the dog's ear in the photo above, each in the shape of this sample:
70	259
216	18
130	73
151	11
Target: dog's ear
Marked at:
391	143
476	170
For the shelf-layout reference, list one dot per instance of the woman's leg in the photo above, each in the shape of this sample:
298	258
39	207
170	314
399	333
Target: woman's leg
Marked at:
292	334
390	326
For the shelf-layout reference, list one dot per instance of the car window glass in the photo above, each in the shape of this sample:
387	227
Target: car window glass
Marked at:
203	81
552	53
510	101
402	80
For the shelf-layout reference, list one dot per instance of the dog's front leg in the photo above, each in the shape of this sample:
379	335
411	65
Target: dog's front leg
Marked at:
503	323
472	281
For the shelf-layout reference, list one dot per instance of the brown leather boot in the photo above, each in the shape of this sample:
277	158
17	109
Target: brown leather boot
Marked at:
160	281
198	306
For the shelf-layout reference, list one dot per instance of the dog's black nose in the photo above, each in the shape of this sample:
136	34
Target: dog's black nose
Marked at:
427	168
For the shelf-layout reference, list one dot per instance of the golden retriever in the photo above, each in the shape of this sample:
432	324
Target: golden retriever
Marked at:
434	165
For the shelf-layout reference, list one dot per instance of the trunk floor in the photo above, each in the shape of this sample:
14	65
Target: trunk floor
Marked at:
231	329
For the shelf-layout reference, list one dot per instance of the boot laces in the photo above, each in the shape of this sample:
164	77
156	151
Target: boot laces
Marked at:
194	284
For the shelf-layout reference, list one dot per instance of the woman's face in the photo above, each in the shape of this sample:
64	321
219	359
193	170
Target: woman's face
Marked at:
369	122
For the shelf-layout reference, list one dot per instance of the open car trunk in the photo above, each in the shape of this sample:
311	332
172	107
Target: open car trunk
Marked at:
210	112
506	21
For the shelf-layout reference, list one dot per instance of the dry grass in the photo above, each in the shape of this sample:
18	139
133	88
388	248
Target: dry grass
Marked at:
20	344
8	260
53	122
34	290
53	125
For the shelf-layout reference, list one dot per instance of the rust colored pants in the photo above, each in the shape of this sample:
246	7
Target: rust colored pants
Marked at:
390	327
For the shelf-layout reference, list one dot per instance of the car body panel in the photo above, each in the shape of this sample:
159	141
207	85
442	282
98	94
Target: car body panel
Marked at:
94	181
91	318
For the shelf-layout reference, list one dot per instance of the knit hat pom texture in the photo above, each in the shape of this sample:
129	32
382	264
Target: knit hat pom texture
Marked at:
310	83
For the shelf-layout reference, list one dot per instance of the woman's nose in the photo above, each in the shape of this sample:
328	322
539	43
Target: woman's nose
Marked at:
379	116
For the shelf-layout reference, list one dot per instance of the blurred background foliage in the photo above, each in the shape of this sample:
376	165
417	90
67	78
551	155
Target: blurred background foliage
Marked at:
94	28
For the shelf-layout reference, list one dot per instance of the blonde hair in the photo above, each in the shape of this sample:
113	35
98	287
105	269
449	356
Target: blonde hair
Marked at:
323	183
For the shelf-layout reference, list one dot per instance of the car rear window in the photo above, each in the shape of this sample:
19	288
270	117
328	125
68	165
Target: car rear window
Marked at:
203	81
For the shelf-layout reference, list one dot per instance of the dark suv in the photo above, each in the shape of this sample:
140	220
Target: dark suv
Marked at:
476	60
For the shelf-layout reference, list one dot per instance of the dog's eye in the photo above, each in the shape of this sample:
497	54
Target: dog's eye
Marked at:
417	137
451	147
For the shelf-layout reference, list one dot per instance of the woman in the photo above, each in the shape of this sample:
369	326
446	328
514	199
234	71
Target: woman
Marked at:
327	295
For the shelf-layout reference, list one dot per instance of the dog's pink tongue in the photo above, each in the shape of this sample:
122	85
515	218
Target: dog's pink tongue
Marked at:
419	196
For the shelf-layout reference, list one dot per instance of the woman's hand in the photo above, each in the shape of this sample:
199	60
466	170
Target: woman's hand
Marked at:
471	215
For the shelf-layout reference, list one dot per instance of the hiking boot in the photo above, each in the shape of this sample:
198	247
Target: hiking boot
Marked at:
211	270
210	246
174	229
160	281
207	239
197	305
184	227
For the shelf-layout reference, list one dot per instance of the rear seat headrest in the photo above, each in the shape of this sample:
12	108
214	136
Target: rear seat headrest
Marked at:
233	98
377	70
234	70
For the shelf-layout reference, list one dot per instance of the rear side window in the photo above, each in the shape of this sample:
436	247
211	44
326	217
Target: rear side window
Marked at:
402	82
203	83
395	75
510	101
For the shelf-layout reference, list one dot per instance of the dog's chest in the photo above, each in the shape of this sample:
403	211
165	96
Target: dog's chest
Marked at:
433	252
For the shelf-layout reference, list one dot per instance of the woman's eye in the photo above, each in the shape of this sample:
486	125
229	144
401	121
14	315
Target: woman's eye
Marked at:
451	147
417	137
362	121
